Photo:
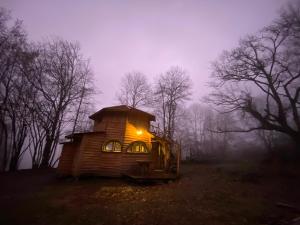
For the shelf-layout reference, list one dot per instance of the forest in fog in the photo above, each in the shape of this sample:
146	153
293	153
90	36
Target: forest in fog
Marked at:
252	108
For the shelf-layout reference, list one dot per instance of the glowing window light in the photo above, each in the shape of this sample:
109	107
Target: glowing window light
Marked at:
139	132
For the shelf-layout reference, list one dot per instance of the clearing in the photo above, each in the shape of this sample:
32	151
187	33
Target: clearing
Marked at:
210	194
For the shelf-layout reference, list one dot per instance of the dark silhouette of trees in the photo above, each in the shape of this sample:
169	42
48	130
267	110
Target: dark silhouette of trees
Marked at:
14	96
135	90
61	77
82	107
265	66
44	88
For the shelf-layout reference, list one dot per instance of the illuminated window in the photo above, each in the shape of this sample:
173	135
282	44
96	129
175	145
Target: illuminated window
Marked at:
137	147
112	146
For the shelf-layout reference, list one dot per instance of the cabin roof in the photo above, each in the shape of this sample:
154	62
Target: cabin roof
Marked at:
122	109
80	134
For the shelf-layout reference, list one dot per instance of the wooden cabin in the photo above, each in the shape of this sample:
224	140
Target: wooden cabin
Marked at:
121	143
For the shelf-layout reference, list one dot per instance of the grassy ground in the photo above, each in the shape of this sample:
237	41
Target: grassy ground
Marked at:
240	193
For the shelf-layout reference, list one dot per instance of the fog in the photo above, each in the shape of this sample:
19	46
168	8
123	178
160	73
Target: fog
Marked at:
147	36
160	41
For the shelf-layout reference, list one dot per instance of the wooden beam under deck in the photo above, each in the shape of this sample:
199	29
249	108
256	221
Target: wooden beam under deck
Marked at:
151	176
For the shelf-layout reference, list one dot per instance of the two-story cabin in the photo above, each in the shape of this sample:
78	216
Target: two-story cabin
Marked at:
120	143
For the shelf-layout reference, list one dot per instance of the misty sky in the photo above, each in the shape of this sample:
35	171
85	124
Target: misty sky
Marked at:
147	36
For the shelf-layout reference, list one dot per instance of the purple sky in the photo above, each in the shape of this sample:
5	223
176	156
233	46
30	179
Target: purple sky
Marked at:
148	36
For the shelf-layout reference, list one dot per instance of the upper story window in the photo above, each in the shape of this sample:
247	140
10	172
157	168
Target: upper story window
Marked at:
112	146
137	147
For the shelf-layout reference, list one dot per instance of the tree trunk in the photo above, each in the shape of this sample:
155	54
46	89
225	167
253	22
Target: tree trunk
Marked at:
5	147
297	146
79	107
13	165
47	149
49	142
46	153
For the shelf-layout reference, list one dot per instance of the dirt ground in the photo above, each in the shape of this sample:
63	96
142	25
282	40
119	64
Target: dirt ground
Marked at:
210	194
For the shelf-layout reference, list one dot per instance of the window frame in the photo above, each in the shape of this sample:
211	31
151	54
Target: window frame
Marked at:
113	141
142	143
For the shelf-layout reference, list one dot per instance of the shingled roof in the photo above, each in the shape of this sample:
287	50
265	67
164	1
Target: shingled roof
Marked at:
121	108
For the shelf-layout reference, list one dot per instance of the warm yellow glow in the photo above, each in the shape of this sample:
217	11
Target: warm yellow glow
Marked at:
139	132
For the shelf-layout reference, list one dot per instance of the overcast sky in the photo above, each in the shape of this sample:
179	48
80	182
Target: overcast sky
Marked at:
148	36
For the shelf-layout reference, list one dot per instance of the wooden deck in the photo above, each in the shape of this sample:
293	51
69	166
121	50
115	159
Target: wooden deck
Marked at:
152	176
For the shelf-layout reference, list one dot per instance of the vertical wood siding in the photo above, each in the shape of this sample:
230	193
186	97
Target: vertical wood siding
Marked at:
133	124
93	160
65	164
89	159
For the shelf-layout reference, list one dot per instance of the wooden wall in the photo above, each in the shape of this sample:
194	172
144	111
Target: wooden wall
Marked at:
133	124
112	123
129	161
94	161
91	159
65	164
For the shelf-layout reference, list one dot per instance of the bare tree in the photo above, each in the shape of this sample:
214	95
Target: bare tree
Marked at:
13	92
196	131
43	87
135	90
82	106
171	89
265	66
18	113
268	139
59	73
37	135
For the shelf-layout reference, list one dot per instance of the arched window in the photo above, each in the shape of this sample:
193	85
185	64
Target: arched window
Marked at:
112	146
137	147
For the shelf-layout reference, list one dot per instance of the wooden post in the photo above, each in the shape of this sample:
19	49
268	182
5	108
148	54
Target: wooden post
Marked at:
178	159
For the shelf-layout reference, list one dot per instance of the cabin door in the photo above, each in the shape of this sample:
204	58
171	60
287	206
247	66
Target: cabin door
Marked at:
158	155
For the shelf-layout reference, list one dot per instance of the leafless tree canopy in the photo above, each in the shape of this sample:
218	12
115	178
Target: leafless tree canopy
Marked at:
13	95
265	66
135	90
60	75
43	88
171	89
195	129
